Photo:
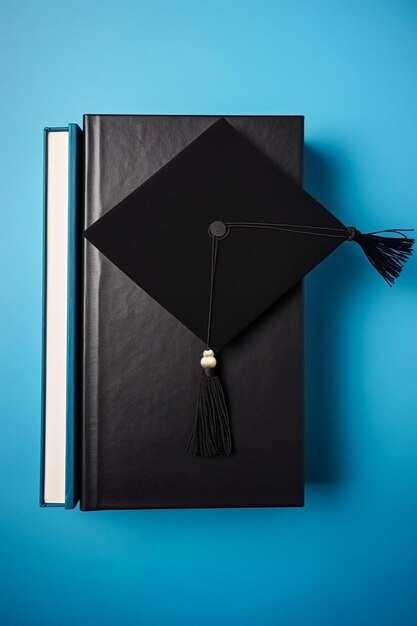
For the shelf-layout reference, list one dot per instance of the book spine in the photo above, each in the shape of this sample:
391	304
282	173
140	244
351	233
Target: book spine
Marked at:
43	364
74	364
90	356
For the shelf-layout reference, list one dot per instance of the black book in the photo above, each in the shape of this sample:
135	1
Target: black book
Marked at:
139	360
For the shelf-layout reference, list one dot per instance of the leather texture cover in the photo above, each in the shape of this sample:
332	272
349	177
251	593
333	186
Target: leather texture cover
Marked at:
141	364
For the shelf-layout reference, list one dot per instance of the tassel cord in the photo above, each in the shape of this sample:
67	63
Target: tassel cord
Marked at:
211	435
214	247
339	233
387	254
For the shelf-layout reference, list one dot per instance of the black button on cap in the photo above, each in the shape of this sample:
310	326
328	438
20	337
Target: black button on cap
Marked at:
217	229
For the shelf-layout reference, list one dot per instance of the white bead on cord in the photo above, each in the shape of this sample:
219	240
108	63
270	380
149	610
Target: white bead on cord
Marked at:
209	360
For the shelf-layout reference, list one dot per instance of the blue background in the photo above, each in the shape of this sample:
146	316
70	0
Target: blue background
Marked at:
349	557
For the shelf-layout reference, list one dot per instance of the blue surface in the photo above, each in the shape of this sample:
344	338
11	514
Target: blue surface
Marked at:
349	558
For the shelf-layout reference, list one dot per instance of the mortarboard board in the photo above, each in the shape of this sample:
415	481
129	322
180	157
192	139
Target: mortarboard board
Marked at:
218	235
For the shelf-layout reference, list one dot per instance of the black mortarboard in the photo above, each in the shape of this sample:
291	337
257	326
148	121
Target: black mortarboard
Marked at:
216	236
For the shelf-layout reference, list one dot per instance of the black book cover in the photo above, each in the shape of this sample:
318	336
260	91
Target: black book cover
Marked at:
141	369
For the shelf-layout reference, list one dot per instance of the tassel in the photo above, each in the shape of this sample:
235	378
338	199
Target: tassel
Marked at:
388	255
211	435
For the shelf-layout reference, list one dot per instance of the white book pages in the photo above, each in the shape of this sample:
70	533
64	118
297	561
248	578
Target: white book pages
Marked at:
56	316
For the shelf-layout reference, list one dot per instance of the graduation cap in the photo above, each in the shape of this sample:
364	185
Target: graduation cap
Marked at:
216	236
